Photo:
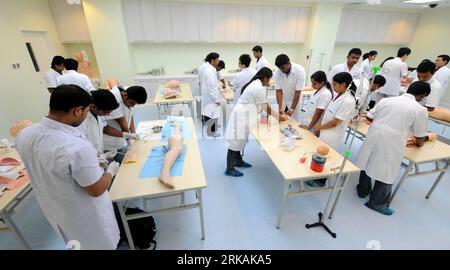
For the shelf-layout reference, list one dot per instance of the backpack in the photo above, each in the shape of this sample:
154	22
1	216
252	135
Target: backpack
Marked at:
142	230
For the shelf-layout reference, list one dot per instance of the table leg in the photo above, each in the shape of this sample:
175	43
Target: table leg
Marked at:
123	217
404	176
348	135
200	209
159	110
182	198
12	226
341	188
283	203
438	179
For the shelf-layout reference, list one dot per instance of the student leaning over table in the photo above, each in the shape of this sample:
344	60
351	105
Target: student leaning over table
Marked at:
337	115
381	154
244	115
70	186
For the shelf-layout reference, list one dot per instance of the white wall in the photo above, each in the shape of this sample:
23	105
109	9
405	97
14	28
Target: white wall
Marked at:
23	97
432	38
73	48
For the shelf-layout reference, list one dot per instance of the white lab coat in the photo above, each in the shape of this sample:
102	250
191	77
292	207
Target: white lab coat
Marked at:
261	62
356	72
116	143
362	92
342	108
245	115
241	79
51	78
443	76
60	163
366	67
382	151
209	89
73	77
433	99
92	129
289	84
393	70
319	100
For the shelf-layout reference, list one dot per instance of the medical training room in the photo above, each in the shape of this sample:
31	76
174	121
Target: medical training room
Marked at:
225	125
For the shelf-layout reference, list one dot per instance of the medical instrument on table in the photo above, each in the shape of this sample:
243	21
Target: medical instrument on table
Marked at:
333	198
317	162
287	144
291	132
157	129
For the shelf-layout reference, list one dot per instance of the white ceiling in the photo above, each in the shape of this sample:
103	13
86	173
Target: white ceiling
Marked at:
384	3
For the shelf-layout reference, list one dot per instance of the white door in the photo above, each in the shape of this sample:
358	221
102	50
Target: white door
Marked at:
40	51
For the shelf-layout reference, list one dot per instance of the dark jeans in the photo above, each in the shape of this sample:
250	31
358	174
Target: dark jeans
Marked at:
210	123
379	194
233	158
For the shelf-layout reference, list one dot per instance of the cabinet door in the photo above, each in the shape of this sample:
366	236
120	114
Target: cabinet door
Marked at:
231	24
149	22
302	24
219	22
191	21
205	22
244	20
268	24
256	24
280	24
177	14
164	20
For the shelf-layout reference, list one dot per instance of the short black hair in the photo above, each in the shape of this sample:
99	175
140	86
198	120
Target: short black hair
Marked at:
281	59
68	96
379	80
137	93
356	51
445	57
211	56
71	64
57	61
403	51
257	48
104	100
418	88
221	64
426	66
245	59
373	52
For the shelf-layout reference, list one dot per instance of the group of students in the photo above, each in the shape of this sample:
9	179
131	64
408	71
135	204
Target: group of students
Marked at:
338	98
72	154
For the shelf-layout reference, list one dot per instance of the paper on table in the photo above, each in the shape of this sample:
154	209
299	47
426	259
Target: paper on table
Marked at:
145	132
154	163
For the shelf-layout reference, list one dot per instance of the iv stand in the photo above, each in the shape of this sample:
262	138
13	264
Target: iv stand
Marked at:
326	211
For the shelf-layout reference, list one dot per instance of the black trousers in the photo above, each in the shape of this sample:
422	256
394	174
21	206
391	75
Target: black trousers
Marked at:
233	158
210	123
379	194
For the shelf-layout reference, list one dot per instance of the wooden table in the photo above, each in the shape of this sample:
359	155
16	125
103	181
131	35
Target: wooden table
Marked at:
288	164
11	199
432	151
185	97
227	94
128	186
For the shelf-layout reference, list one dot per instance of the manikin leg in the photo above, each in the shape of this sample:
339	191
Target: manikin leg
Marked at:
175	149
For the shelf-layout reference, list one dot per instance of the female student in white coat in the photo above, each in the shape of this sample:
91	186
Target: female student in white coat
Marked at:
337	115
243	115
381	154
366	64
318	102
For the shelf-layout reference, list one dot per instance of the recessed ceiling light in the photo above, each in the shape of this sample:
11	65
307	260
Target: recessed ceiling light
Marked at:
421	1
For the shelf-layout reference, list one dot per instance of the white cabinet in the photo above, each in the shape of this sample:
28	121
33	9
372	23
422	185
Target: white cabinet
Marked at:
361	26
70	21
168	21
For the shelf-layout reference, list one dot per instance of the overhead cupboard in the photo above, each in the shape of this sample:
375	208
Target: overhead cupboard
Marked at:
167	21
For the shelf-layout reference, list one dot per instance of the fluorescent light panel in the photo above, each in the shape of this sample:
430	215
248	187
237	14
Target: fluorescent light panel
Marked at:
421	1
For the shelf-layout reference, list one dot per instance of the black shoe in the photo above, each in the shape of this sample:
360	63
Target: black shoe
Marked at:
243	164
362	196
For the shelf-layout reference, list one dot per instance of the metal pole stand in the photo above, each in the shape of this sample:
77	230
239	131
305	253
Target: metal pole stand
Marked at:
321	224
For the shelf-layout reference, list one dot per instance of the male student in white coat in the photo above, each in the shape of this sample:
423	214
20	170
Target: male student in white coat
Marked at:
425	72
69	184
243	77
103	103
261	61
393	71
120	122
209	89
381	154
73	77
220	78
289	81
348	66
443	72
54	73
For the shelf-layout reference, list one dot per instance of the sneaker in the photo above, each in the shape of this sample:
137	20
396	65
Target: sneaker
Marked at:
314	183
244	165
385	211
234	173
